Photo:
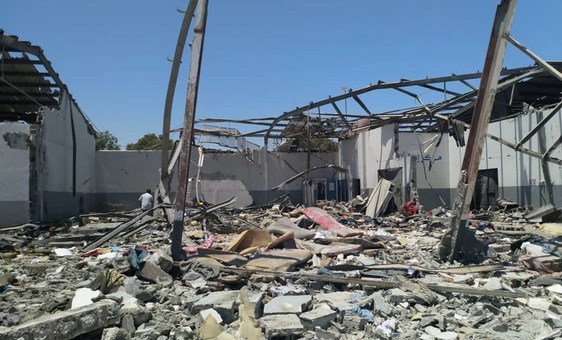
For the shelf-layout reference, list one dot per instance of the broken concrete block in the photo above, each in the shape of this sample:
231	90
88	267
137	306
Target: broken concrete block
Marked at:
212	313
354	322
539	303
287	304
255	298
397	295
326	334
128	324
379	304
114	333
535	215
318	317
225	303
119	296
494	283
83	297
341	301
154	273
557	288
463	279
386	328
281	325
67	324
516	278
437	334
162	260
139	313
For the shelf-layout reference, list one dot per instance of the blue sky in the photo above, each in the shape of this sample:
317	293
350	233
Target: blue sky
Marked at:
263	57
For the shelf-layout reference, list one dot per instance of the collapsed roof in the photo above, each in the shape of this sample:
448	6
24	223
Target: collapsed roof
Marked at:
28	82
519	90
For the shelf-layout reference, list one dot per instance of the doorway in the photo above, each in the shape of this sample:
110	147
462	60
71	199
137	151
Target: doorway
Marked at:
485	189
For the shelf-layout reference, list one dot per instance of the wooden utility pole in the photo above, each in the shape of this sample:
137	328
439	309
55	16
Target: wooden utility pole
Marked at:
459	238
187	131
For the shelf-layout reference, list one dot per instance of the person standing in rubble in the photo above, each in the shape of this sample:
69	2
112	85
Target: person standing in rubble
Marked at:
146	200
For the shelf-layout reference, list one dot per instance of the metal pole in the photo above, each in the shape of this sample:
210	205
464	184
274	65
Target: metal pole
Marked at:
479	126
534	56
187	132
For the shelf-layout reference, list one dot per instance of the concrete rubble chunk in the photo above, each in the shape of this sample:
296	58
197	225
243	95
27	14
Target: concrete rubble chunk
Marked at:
379	304
128	324
353	322
162	260
397	295
327	334
134	308
494	283
341	301
318	317
281	325
465	278
83	297
225	303
536	214
153	273
114	333
539	303
287	304
66	324
212	313
438	334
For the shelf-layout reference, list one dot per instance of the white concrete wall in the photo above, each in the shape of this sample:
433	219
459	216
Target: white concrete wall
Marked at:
372	150
121	176
519	175
14	173
55	163
366	153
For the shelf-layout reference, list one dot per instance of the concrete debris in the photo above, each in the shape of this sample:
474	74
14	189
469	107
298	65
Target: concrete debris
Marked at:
318	317
324	272
281	325
67	324
83	297
212	313
287	304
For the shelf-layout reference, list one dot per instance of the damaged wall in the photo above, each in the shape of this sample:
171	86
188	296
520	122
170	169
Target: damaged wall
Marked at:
121	176
520	176
373	150
14	154
59	196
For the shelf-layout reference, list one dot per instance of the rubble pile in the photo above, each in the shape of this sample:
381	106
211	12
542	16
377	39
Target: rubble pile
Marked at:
280	271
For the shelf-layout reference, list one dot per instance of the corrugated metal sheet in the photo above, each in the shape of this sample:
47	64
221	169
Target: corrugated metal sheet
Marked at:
24	88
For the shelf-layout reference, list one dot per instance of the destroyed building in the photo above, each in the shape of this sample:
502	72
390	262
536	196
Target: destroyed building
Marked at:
436	221
47	149
410	138
67	176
